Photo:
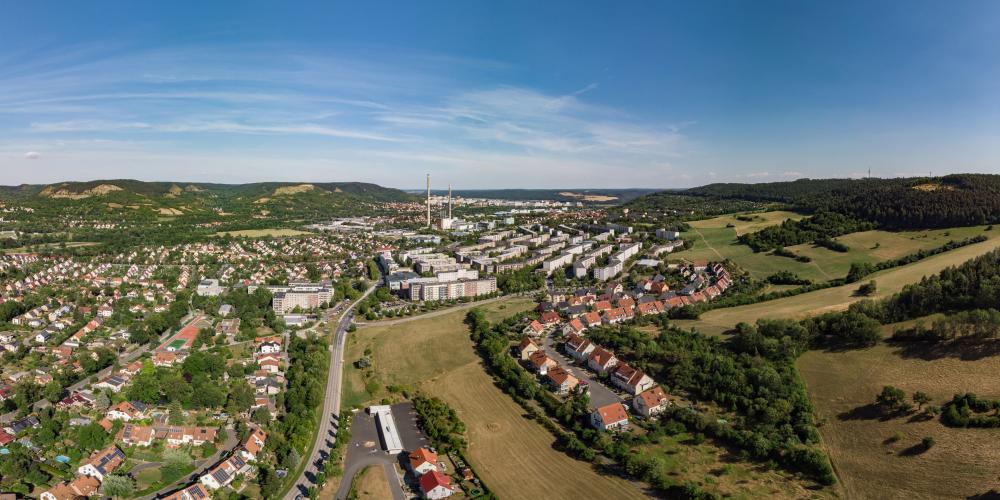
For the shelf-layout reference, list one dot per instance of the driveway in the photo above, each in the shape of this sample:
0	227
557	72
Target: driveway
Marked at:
600	394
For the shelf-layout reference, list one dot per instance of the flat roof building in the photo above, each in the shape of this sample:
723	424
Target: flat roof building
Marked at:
387	432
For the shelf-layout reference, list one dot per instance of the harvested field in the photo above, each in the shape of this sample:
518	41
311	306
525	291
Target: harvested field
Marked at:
876	457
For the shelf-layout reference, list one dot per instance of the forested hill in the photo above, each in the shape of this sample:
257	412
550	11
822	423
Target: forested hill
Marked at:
582	195
126	199
99	188
919	202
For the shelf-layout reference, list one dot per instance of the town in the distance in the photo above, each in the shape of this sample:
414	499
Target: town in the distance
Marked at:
183	341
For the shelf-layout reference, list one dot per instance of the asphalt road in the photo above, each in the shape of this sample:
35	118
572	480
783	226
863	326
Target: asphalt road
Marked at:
600	394
327	432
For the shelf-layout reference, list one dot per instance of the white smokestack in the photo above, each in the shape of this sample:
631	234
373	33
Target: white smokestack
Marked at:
428	200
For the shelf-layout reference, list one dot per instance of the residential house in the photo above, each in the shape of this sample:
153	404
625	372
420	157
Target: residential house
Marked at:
114	383
551	318
22	424
194	492
102	463
268	348
177	436
601	360
5	437
436	485
224	473
578	347
526	349
269	363
592	319
630	379
127	411
81	487
651	308
252	445
540	362
650	402
574	326
534	328
561	380
136	435
609	417
423	461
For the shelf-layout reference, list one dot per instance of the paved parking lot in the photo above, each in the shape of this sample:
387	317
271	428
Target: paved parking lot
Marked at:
365	447
406	423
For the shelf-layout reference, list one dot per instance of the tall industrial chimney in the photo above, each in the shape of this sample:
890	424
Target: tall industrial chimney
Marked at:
449	201
428	200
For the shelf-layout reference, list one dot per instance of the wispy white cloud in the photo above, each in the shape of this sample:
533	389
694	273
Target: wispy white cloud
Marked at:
203	102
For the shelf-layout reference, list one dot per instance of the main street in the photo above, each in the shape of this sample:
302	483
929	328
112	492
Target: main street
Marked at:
326	435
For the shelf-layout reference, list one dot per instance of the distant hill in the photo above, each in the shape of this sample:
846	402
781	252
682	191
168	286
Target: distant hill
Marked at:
584	195
916	202
171	190
132	198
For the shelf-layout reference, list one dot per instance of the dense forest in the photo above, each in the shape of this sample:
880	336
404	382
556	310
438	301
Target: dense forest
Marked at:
900	203
919	202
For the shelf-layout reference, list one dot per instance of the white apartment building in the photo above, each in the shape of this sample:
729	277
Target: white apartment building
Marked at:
302	295
452	289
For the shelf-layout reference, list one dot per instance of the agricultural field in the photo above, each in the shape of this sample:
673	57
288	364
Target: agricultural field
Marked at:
837	298
714	241
263	233
883	458
513	455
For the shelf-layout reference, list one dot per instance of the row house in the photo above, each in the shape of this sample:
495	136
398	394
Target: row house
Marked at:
631	380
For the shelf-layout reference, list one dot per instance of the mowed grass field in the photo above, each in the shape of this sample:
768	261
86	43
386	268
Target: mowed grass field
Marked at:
263	233
514	456
868	461
372	484
837	298
760	221
714	241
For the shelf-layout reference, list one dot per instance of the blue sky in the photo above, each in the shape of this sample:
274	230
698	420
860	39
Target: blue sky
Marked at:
497	94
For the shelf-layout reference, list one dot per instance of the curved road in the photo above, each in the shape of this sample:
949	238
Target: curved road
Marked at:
387	462
327	432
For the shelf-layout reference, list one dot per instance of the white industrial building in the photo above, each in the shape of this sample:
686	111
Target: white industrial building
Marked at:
387	432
